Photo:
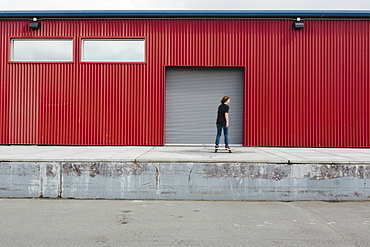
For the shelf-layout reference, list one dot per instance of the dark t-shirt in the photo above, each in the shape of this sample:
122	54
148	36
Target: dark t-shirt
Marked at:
221	120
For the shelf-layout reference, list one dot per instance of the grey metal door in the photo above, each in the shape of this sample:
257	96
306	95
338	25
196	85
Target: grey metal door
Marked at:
193	95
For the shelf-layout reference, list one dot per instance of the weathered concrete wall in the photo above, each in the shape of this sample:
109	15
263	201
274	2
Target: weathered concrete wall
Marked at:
29	179
109	180
194	181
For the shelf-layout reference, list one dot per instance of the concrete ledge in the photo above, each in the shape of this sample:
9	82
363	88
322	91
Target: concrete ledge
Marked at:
186	180
146	154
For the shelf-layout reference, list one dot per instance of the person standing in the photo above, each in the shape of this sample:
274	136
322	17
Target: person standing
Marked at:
222	122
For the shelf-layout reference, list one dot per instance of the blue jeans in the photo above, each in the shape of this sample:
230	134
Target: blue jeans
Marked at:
226	133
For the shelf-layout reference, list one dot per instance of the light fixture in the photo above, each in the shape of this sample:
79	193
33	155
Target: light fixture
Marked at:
298	25
34	24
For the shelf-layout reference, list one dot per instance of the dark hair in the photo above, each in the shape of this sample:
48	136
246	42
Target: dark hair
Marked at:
224	99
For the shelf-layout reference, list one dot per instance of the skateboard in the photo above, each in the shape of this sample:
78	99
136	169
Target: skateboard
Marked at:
219	148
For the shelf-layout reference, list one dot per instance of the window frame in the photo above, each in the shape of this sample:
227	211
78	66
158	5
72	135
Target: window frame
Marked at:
11	49
81	43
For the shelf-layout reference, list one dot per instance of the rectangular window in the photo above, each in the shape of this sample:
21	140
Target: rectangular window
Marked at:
42	50
113	50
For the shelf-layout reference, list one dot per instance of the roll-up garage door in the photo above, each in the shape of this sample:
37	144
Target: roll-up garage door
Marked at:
193	95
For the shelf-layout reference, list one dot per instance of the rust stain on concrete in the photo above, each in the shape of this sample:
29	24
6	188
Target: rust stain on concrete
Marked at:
72	169
225	170
322	172
268	171
49	171
25	169
103	169
280	171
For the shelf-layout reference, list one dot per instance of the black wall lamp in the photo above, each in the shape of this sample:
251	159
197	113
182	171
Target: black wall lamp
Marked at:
298	25
34	24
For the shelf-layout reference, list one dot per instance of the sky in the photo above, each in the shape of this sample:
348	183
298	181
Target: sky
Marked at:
184	4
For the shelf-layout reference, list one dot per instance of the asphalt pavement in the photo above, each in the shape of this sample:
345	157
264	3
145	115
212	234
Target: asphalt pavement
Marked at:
42	222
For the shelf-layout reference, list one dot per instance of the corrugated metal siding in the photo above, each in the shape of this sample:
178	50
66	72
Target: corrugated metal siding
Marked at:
309	87
302	88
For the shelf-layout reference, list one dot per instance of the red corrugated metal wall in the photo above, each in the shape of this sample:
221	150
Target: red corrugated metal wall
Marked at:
302	88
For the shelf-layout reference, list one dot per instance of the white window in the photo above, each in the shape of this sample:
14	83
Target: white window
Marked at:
42	50
113	50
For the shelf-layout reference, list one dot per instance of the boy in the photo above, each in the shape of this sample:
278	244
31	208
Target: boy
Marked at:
222	122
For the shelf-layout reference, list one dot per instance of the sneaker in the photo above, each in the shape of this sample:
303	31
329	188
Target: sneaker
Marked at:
216	147
227	148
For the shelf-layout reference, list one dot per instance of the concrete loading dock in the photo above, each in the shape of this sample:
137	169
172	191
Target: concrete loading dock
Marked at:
185	173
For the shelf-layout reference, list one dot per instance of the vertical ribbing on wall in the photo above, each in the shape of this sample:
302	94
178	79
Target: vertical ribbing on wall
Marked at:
302	88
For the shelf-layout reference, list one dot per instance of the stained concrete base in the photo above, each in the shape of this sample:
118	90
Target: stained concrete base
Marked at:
160	173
